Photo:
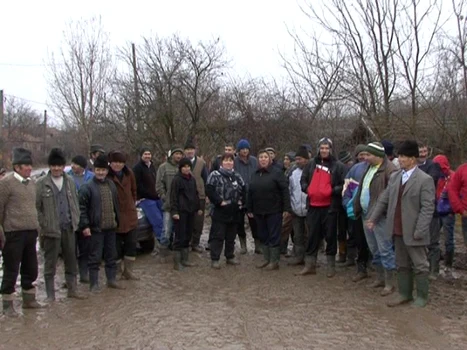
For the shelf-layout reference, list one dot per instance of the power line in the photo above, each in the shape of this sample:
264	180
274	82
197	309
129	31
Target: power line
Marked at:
25	99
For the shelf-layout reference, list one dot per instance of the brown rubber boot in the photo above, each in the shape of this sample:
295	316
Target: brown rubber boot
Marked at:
128	273
310	266
29	300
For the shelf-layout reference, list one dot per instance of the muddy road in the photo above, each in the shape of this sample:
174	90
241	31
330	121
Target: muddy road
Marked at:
241	307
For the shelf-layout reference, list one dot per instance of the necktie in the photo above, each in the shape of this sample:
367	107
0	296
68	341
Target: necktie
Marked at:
405	177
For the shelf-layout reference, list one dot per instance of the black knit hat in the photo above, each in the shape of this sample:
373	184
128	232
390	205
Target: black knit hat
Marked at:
190	145
117	157
97	148
56	157
21	156
344	156
359	149
175	149
142	150
302	152
409	148
183	162
80	160
101	162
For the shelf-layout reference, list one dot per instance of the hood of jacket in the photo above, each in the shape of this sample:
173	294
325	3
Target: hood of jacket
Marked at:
443	162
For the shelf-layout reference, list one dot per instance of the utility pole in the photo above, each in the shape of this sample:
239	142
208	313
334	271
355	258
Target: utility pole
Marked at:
1	125
45	132
135	82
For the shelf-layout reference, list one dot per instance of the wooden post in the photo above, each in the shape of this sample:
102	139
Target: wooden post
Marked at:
45	132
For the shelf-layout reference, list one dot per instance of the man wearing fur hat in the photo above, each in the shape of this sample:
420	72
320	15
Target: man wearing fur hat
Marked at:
18	232
373	184
322	180
58	212
165	175
96	151
408	203
98	201
246	164
200	173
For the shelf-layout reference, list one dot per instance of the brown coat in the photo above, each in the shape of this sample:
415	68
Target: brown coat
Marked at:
126	190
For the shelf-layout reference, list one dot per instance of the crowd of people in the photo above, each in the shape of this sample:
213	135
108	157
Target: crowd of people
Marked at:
359	207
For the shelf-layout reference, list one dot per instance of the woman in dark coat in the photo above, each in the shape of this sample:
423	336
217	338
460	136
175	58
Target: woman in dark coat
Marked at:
225	189
125	181
268	201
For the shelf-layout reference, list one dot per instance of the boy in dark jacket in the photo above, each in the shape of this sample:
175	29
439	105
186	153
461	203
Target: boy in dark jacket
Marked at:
99	219
184	204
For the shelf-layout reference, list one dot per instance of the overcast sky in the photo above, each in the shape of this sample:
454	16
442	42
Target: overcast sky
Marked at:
253	31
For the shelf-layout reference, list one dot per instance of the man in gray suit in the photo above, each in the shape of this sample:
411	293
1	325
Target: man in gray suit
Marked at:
409	203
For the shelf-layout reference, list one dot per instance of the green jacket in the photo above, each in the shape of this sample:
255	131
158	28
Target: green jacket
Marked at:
165	175
47	208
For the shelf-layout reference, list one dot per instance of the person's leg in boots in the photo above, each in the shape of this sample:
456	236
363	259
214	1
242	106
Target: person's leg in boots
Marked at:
342	236
169	227
351	244
154	214
448	223
189	219
51	250
95	256
119	238
84	250
242	234
12	254
315	227
71	266
110	260
261	224
362	250
299	241
129	256
388	261
376	261
404	274
29	271
274	227
434	251
216	241
198	229
285	233
229	250
330	229
179	237
254	233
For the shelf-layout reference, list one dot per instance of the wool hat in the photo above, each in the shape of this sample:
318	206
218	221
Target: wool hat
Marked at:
175	149
325	141
183	162
117	157
409	148
388	147
270	149
21	156
302	152
376	149
359	149
56	157
290	155
97	148
142	150
243	143
344	157
80	160
190	145
101	162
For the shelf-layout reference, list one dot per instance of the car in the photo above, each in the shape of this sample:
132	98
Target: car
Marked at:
144	232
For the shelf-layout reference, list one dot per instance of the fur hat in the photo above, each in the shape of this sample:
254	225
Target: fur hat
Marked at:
117	157
183	162
376	149
409	148
80	160
243	143
97	148
388	147
21	156
344	157
56	157
302	152
175	149
142	150
101	162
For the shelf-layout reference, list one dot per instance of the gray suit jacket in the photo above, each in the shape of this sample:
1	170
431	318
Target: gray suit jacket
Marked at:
418	205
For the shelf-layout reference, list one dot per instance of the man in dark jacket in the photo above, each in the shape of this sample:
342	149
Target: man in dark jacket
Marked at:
322	180
229	148
95	151
99	219
149	201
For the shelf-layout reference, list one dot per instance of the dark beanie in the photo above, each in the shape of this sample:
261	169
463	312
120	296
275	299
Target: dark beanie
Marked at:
270	149
409	148
388	147
376	149
56	157
344	156
183	162
290	155
117	157
190	145
243	144
21	156
97	148
80	160
142	150
175	149
359	149
101	162
302	152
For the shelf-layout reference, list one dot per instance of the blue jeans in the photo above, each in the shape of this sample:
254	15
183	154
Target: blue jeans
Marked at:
447	223
381	247
155	215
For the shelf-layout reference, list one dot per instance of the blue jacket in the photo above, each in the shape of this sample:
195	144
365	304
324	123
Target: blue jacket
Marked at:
88	175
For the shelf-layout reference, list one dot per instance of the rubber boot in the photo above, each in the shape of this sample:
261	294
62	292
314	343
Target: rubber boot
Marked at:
405	284
299	258
275	255
331	267
215	264
113	284
94	282
449	259
266	256
434	267
128	273
178	260
422	283
119	268
50	288
157	246
258	247
361	273
185	258
310	266
283	247
233	261
243	249
388	282
342	257
83	272
73	288
351	256
29	300
8	305
379	282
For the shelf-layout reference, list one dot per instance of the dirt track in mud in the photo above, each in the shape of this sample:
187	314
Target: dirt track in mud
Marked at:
240	308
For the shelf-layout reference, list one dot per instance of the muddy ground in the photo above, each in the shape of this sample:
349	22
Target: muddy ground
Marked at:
242	308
